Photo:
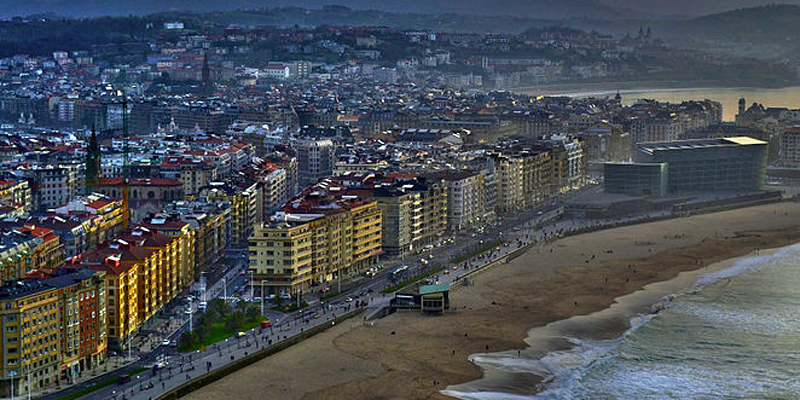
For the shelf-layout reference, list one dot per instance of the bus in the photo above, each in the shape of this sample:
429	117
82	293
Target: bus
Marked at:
398	272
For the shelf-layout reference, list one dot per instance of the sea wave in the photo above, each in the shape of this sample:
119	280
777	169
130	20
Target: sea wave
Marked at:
561	370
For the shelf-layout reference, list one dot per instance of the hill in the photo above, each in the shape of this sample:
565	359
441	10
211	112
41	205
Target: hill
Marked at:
535	9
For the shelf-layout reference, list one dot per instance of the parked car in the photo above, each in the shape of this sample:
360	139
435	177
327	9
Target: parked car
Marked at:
266	324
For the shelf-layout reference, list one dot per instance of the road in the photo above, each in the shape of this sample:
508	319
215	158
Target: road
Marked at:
534	226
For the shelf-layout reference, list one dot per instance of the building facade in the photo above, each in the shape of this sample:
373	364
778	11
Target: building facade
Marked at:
315	240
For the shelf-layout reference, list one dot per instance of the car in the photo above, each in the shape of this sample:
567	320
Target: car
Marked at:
316	316
286	296
265	324
187	311
349	299
165	342
240	334
539	213
202	305
173	343
455	268
447	271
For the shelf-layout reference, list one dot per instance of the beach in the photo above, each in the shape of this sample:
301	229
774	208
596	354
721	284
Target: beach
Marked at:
412	356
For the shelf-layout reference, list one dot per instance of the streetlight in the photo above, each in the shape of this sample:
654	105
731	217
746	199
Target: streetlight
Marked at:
251	285
13	374
262	296
190	315
224	290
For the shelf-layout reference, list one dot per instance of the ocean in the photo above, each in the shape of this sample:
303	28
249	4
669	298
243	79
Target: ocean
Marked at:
731	331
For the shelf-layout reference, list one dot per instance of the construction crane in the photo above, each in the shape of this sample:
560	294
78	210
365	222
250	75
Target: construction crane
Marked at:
126	171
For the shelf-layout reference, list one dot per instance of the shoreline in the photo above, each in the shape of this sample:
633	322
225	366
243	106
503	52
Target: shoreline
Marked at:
627	313
410	356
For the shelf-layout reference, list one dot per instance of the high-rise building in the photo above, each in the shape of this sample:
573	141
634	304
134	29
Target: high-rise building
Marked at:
315	160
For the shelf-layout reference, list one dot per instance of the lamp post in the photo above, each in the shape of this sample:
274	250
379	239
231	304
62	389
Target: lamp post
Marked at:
262	296
190	315
251	285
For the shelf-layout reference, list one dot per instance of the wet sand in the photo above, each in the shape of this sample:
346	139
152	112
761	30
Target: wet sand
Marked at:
412	356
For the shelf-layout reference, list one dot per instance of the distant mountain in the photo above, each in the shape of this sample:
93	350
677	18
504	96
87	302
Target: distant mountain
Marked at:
690	8
534	9
771	25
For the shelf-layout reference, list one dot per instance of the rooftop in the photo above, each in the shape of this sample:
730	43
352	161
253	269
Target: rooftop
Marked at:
652	147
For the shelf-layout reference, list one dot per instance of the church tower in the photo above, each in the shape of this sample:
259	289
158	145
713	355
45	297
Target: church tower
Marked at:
94	170
206	86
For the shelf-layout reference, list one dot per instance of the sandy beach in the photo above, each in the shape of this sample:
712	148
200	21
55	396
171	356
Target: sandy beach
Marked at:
412	356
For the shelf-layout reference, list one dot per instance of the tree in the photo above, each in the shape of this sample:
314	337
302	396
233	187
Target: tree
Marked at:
217	308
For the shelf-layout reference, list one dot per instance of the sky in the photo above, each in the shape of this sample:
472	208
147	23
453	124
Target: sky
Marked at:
690	7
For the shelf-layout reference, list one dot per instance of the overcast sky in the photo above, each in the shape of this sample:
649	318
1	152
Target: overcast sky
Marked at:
690	7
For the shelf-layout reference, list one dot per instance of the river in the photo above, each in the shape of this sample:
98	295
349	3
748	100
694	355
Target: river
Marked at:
729	97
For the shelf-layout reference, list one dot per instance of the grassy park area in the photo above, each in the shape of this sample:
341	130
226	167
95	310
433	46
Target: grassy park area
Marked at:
219	322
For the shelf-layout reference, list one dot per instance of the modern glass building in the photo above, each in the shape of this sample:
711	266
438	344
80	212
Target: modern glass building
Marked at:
636	179
735	164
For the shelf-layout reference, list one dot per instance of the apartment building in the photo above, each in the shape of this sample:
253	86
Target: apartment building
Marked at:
413	209
56	185
322	235
315	160
17	192
16	254
465	196
192	172
243	197
53	330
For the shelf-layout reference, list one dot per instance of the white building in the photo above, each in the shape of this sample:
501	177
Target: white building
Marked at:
279	71
790	148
